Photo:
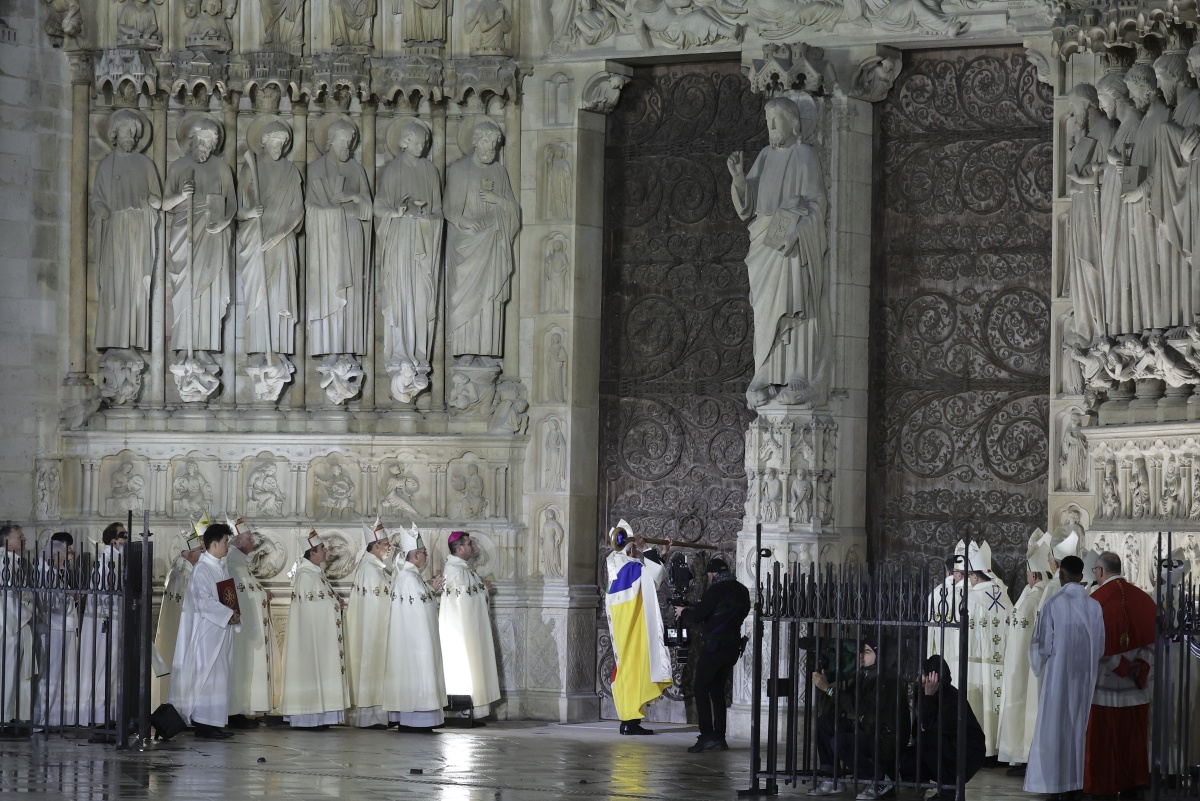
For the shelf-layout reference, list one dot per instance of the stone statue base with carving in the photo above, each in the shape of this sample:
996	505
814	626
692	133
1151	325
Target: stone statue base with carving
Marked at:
341	377
270	374
121	376
195	376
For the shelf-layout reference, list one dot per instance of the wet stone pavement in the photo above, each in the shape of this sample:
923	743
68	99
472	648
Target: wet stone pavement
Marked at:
502	762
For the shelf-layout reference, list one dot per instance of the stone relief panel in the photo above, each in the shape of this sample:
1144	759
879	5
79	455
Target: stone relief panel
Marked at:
468	478
48	489
547	640
553	465
556	187
400	486
343	553
551	538
554	373
556	274
961	308
1146	480
192	487
333	488
269	557
127	488
264	493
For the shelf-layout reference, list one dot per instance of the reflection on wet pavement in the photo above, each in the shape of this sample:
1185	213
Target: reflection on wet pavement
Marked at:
502	762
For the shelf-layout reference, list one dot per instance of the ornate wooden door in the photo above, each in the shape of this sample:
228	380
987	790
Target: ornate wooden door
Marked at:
961	309
677	331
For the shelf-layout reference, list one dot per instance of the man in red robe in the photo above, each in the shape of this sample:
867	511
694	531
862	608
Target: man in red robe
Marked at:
1117	734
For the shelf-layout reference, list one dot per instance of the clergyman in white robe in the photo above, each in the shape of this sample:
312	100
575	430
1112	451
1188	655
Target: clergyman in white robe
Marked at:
1019	695
468	650
252	691
367	614
1068	641
415	688
16	617
99	641
314	666
988	608
58	639
202	668
167	631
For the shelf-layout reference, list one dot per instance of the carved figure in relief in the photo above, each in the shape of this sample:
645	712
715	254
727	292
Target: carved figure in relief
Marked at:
137	21
1172	483
463	392
556	370
126	198
338	232
825	497
1172	367
556	276
1195	512
751	504
65	20
207	24
283	22
510	414
1089	137
399	493
267	559
125	490
801	497
192	492
121	376
271	211
1170	187
353	22
874	77
49	480
1111	499
337	491
422	20
783	19
1116	365
603	90
554	470
484	218
1143	362
471	504
679	23
1072	458
265	497
772	496
908	16
408	213
488	25
201	200
559	182
1139	489
784	195
552	540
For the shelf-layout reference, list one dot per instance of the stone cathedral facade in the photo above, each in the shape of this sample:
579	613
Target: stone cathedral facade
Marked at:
877	275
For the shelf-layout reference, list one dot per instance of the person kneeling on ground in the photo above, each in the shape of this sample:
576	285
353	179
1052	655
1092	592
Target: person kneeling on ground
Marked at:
934	752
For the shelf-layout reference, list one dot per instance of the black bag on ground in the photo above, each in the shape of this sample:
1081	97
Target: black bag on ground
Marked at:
167	722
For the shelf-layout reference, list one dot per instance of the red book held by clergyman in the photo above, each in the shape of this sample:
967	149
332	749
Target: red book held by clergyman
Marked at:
227	593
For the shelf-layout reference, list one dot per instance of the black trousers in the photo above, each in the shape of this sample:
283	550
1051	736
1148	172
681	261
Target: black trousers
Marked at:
836	734
713	671
923	764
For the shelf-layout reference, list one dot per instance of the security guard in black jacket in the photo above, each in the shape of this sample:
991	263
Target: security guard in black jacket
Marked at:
720	613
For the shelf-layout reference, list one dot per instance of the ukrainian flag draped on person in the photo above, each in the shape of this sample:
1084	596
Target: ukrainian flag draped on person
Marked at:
643	666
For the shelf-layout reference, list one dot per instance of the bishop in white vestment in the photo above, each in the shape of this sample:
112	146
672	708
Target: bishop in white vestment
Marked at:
314	669
202	668
58	637
252	693
415	687
16	617
100	635
167	631
988	608
1019	694
367	614
468	651
1068	641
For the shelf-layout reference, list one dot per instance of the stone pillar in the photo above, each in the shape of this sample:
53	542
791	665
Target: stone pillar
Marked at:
370	396
81	87
300	159
156	390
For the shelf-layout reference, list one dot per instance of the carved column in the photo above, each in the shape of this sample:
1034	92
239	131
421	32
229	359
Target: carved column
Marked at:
299	489
300	158
158	486
91	487
370	107
81	83
229	477
500	491
228	356
438	475
156	392
369	486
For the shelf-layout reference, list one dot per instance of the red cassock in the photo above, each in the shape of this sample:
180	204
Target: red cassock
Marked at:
1118	730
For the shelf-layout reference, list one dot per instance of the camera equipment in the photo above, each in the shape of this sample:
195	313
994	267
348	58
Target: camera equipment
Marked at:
679	576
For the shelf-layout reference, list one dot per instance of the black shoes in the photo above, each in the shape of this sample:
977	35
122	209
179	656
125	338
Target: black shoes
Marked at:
708	744
242	722
1016	770
634	727
206	732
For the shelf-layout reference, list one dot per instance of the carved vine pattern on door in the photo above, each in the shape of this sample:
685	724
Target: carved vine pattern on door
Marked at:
677	327
960	306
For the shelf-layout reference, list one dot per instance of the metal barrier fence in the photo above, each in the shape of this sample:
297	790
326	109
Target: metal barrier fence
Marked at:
817	620
76	640
1175	738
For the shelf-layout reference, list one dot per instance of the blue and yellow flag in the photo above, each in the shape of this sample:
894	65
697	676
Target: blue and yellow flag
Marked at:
643	669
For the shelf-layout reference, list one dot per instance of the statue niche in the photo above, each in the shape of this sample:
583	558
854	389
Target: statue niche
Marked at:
784	197
408	213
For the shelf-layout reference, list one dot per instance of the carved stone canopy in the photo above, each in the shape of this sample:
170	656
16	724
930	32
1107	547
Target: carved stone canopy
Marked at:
789	67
